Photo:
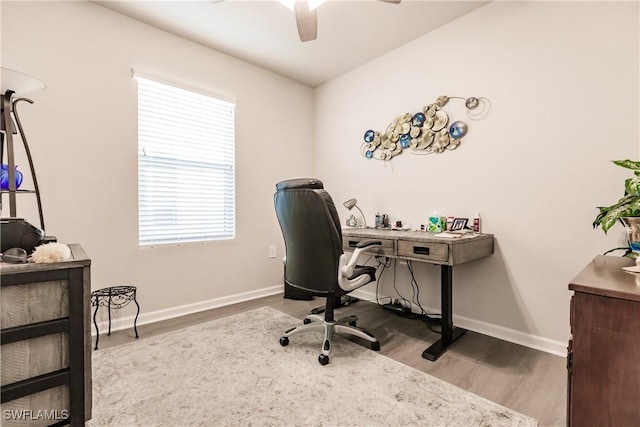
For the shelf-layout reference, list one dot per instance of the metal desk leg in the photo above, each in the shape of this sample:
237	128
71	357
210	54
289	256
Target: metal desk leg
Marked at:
449	332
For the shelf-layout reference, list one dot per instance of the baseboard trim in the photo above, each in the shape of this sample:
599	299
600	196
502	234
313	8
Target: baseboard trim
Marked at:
537	342
183	310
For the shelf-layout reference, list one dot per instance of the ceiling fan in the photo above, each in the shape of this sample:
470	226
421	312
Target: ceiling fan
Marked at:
307	16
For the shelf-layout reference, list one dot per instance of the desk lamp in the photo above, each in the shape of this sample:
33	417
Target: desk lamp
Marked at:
353	203
16	231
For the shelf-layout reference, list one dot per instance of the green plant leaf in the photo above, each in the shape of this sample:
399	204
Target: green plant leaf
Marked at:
598	220
604	211
632	186
628	206
629	164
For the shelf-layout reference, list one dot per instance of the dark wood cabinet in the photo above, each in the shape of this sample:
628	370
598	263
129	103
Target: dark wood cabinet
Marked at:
603	360
46	342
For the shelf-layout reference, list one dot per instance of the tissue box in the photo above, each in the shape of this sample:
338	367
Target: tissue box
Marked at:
437	224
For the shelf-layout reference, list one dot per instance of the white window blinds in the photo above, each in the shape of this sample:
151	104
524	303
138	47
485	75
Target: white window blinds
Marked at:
186	179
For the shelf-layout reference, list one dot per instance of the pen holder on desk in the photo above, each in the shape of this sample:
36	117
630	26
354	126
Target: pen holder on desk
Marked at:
383	221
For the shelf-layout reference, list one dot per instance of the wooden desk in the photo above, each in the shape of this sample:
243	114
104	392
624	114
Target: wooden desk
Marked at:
428	247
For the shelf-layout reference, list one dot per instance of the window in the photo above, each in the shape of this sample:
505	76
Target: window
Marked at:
186	179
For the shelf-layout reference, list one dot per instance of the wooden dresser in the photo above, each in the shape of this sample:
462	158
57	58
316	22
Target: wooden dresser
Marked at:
603	361
46	342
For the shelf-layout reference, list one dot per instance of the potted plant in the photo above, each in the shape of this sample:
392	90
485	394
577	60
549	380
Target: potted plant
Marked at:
625	210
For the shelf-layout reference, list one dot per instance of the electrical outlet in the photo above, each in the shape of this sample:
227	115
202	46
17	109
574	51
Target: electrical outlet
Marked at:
272	251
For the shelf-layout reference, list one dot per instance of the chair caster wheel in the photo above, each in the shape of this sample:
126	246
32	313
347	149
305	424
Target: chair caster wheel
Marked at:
284	341
323	359
353	323
306	321
375	346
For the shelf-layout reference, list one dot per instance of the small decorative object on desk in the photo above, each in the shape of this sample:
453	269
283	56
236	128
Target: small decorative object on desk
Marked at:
476	222
459	224
436	223
351	221
379	223
449	222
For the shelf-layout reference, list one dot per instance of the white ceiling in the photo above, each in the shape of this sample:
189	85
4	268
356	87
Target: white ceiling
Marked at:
350	33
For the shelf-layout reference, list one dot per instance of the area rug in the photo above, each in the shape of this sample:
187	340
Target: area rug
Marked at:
233	372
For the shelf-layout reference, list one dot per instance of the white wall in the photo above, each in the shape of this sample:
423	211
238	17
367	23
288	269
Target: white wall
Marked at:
563	81
83	135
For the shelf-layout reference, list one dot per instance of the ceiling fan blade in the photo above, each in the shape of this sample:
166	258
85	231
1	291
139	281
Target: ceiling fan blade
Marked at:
307	21
391	1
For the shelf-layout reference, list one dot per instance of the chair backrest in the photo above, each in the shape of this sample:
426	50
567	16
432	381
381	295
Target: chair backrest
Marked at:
312	235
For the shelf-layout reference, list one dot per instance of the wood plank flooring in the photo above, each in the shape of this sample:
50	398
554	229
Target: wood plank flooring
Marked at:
526	380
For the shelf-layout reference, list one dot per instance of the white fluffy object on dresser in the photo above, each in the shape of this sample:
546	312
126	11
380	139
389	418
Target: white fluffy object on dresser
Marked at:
50	252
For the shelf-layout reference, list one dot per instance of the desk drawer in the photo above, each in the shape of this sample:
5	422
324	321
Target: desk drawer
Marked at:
423	251
387	249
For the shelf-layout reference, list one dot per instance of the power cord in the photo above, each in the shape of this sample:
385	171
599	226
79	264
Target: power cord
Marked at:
383	265
403	307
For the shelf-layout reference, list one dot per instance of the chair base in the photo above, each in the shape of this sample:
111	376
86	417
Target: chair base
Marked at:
343	301
345	325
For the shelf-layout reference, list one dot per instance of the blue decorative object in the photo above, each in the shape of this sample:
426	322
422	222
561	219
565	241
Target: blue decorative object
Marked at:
405	141
418	119
368	135
4	177
458	129
369	154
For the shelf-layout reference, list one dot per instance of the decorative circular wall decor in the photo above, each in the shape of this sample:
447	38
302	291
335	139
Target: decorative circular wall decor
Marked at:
425	132
477	108
458	129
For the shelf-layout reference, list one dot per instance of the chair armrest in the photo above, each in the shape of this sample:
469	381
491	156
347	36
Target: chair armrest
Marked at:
345	268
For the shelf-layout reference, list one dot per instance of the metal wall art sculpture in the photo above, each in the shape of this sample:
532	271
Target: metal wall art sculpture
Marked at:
425	132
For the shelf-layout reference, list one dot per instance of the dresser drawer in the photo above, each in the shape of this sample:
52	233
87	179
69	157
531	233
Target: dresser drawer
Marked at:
423	250
387	249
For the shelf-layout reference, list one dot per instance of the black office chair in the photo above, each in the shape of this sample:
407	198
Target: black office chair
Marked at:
314	261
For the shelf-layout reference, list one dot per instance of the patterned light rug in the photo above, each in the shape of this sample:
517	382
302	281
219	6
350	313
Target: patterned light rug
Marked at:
233	372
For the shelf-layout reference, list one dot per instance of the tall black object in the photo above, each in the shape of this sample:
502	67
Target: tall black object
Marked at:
15	231
292	293
315	262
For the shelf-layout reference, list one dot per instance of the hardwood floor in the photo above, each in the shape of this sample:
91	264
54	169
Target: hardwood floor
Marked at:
526	380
